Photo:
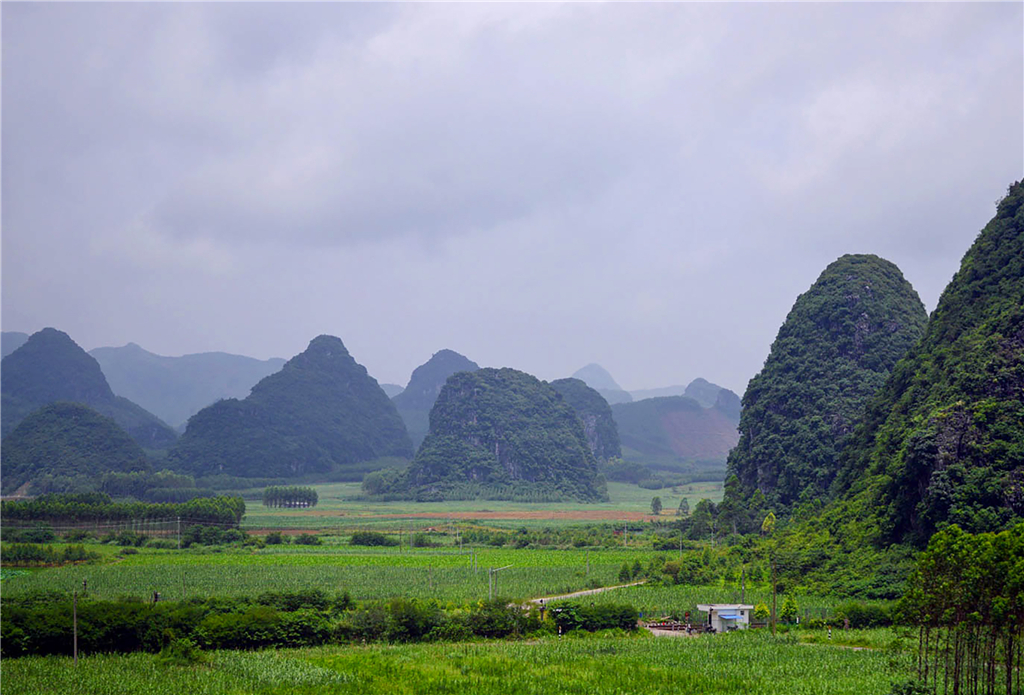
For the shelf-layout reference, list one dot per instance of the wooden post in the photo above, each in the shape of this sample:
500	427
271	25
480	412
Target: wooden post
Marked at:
743	584
74	625
490	583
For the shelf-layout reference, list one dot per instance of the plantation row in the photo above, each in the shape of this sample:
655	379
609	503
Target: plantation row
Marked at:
99	507
42	624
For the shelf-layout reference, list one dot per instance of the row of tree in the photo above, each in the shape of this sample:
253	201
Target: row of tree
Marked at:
279	496
967	599
97	507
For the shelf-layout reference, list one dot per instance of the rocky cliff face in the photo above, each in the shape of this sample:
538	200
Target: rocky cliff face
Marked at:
427	380
594	414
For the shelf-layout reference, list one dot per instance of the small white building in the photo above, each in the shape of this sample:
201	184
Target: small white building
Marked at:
727	616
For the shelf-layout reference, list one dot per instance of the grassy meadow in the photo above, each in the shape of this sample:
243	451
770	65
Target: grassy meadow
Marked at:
751	664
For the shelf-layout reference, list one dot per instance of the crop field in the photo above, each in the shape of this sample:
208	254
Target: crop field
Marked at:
340	510
441	574
753	664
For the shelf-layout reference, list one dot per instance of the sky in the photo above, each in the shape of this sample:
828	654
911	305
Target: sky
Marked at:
538	186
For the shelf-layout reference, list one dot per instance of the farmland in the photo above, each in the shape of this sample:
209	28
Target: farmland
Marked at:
754	664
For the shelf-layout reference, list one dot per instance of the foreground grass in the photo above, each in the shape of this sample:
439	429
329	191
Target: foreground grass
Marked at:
753	664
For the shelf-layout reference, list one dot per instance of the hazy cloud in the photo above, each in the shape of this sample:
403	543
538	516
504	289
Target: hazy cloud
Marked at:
534	185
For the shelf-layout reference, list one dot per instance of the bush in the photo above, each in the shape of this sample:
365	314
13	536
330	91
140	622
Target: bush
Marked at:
864	616
372	539
161	544
39	534
307	539
181	652
274	538
605	616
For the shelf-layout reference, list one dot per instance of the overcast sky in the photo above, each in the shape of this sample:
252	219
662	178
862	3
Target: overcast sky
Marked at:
646	186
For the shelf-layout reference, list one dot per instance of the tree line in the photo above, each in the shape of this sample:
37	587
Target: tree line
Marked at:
280	496
98	506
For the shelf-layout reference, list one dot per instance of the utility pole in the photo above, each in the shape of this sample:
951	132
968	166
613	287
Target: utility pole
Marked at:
773	596
74	627
588	563
491	571
743	583
179	533
625	534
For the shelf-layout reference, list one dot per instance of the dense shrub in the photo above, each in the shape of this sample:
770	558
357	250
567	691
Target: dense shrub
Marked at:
307	539
863	615
605	616
371	538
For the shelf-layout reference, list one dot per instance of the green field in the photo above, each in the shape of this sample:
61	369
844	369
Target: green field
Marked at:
751	664
341	509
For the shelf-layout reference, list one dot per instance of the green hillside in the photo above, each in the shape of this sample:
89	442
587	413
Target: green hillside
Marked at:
427	380
943	442
51	367
503	433
834	351
175	388
594	414
70	440
320	412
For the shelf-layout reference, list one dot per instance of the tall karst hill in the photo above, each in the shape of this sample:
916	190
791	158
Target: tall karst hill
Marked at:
50	367
597	377
176	388
68	440
676	432
595	415
427	380
835	349
321	413
501	433
943	441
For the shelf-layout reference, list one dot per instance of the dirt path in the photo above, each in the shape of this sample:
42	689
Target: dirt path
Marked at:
586	592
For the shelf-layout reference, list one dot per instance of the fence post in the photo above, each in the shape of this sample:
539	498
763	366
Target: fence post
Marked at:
179	533
74	625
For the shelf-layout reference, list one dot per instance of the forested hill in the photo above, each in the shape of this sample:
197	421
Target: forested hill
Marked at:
51	367
176	388
834	351
427	380
503	433
67	440
594	414
943	441
322	411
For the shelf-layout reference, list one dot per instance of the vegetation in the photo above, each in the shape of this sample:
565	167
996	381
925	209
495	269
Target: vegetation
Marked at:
967	598
944	440
321	411
416	400
51	367
277	496
96	507
594	414
503	430
834	351
64	440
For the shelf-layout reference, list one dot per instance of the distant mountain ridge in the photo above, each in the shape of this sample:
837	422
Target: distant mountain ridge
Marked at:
427	380
700	390
11	341
597	377
321	412
658	431
50	367
176	388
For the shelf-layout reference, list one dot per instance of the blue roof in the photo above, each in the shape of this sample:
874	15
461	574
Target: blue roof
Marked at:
730	616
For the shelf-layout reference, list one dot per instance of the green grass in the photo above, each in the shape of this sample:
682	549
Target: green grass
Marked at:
340	509
751	664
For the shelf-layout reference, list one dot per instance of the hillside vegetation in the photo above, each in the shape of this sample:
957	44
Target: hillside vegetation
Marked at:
50	367
943	442
321	412
834	351
67	440
427	380
594	414
501	432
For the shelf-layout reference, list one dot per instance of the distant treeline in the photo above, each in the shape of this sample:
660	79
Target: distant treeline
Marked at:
42	624
278	496
98	506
